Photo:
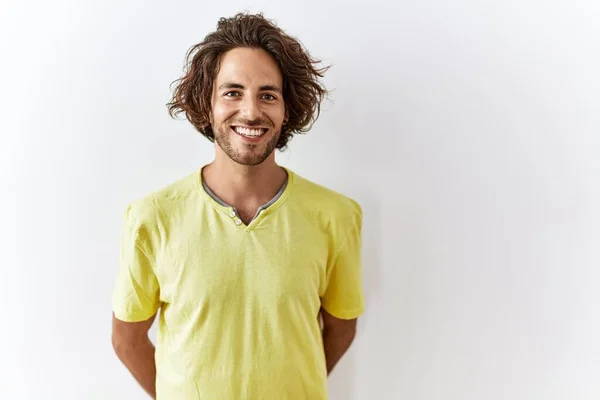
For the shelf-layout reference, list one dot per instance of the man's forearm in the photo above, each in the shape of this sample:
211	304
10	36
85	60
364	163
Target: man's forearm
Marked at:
336	343
139	360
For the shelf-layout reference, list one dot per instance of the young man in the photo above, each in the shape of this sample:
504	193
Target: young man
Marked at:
256	270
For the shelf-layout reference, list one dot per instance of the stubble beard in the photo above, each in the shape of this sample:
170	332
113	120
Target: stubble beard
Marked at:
250	157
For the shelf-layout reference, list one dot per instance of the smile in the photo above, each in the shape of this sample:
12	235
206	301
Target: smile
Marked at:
249	132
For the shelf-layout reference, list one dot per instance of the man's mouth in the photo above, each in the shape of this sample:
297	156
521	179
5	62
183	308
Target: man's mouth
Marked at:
249	132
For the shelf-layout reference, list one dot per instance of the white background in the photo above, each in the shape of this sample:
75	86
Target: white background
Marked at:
468	130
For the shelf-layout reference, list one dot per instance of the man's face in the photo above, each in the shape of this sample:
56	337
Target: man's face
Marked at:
247	106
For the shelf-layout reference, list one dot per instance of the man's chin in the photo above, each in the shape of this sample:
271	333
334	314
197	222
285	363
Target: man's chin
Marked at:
249	161
247	152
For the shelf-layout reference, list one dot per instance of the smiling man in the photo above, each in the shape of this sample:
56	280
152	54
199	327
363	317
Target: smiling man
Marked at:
254	271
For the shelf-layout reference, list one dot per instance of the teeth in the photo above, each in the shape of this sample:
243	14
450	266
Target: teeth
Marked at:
248	132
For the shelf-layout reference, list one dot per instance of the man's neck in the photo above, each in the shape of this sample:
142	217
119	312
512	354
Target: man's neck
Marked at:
242	186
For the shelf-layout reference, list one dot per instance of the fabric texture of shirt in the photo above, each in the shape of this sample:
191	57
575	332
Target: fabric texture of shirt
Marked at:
239	304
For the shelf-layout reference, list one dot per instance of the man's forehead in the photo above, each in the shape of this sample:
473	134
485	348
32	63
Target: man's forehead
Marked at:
248	67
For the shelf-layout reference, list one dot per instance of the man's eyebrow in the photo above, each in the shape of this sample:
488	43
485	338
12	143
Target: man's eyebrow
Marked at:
233	85
270	88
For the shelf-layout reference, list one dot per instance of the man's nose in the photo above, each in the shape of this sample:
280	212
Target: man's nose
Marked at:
250	108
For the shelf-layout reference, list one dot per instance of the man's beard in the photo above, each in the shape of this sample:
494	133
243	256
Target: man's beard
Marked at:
251	157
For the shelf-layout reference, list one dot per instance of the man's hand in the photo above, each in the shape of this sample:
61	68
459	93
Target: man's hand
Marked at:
135	350
338	335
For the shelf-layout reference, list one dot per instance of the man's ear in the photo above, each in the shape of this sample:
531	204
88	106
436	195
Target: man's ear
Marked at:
210	114
210	103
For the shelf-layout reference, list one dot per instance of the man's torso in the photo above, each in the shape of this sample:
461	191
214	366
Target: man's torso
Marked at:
240	303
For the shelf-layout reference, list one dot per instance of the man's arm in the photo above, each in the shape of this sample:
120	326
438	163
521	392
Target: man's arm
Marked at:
135	350
338	335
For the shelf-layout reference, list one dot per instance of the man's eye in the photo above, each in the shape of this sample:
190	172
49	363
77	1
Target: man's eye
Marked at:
269	97
231	94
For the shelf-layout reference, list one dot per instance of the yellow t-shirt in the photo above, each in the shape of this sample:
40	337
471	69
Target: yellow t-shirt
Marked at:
239	304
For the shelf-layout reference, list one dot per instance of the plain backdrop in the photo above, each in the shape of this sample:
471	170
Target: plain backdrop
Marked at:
469	131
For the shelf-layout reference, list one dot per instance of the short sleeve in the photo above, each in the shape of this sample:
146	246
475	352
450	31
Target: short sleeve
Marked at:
136	291
343	297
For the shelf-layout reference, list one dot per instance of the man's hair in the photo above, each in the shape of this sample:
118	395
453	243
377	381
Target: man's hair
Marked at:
302	90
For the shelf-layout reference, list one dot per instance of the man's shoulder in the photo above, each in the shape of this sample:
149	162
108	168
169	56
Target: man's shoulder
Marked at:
325	198
164	198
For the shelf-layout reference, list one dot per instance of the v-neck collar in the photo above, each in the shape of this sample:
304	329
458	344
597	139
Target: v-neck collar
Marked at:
231	212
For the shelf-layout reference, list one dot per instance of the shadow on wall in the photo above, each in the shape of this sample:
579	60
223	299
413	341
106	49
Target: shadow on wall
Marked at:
342	381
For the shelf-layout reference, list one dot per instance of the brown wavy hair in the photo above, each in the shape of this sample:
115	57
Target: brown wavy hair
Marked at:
302	89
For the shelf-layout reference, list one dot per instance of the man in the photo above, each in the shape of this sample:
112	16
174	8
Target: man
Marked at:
256	270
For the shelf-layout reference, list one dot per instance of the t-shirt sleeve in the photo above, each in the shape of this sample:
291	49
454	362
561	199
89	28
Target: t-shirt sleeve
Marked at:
344	297
136	291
